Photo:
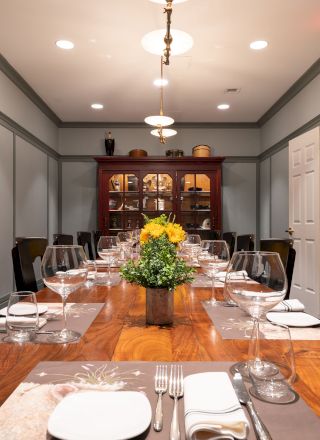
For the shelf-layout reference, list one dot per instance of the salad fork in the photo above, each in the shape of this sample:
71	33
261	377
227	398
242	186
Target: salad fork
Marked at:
160	386
176	392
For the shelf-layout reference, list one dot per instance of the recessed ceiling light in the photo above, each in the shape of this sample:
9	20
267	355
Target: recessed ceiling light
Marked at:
160	82
65	44
153	42
166	132
164	2
223	106
97	106
258	45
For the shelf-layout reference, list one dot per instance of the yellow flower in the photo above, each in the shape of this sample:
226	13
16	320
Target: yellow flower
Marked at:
144	236
175	232
156	230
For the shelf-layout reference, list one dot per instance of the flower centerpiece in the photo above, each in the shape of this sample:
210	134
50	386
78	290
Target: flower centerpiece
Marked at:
159	268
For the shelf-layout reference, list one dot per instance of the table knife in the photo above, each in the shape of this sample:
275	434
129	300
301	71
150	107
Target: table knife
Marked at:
241	391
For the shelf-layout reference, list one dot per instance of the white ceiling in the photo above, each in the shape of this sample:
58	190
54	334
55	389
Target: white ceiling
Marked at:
108	64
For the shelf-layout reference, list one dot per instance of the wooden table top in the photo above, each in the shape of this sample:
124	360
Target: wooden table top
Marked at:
119	333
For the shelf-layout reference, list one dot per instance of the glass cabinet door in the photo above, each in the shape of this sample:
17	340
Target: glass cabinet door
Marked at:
157	194
124	205
195	212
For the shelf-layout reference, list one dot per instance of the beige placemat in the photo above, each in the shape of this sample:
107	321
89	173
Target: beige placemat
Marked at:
79	318
233	323
25	413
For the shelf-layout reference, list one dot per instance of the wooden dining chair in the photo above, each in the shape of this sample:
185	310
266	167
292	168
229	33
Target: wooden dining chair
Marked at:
287	254
84	240
24	254
62	239
230	238
245	242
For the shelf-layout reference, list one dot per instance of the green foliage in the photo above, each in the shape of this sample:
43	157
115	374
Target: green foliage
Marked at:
158	266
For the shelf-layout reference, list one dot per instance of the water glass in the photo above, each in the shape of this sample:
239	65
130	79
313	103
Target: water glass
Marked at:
91	274
22	319
271	363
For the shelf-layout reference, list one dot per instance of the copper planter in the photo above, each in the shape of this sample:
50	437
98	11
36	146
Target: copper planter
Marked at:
159	306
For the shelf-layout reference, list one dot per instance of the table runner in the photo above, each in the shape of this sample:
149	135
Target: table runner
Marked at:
234	323
79	318
25	413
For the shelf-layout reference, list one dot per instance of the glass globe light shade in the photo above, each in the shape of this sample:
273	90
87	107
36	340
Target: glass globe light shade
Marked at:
153	42
166	132
159	120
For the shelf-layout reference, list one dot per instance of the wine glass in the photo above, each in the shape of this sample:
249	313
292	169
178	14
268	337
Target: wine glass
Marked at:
126	242
64	270
213	258
108	250
272	371
191	247
257	282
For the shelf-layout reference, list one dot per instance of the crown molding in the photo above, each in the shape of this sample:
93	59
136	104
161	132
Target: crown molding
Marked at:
22	84
203	125
302	82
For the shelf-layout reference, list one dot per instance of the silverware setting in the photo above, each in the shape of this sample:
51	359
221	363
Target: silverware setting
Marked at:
176	392
160	386
260	429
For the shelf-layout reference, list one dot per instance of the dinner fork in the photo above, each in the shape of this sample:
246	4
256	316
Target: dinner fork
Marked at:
176	392
160	386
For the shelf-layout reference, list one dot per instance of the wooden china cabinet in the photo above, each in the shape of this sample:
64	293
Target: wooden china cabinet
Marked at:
188	187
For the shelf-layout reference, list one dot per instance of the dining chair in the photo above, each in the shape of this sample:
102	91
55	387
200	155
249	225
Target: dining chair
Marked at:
287	254
230	238
84	239
210	235
24	254
245	242
96	235
62	239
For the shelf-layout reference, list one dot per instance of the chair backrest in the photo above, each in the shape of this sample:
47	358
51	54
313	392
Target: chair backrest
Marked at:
245	242
62	239
96	235
26	250
84	239
287	254
209	235
230	238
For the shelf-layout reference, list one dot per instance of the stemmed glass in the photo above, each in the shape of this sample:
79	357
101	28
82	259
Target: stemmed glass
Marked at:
108	250
257	282
191	246
126	242
64	270
213	258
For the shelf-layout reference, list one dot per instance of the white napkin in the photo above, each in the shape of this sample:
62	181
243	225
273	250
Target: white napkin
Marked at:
289	305
238	275
42	321
212	409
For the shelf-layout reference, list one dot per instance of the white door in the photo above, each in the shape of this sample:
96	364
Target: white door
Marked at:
304	218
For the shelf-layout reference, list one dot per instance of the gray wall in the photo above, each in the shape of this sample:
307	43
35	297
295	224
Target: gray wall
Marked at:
28	175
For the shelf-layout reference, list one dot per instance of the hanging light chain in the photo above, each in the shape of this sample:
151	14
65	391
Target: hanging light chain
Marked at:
168	36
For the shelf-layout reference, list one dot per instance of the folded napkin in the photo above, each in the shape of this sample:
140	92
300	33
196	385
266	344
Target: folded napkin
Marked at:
289	305
212	409
42	321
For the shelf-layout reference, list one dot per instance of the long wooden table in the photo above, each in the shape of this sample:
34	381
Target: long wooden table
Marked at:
119	333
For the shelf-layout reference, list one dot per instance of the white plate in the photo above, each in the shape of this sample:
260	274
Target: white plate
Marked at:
293	319
22	310
100	415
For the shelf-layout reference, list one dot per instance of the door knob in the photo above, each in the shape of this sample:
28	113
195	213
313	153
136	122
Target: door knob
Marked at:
290	230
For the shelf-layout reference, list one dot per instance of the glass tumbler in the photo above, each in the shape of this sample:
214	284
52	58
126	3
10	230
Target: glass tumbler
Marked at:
22	319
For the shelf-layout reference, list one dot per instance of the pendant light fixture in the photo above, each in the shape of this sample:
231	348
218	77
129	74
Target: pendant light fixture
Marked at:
160	120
